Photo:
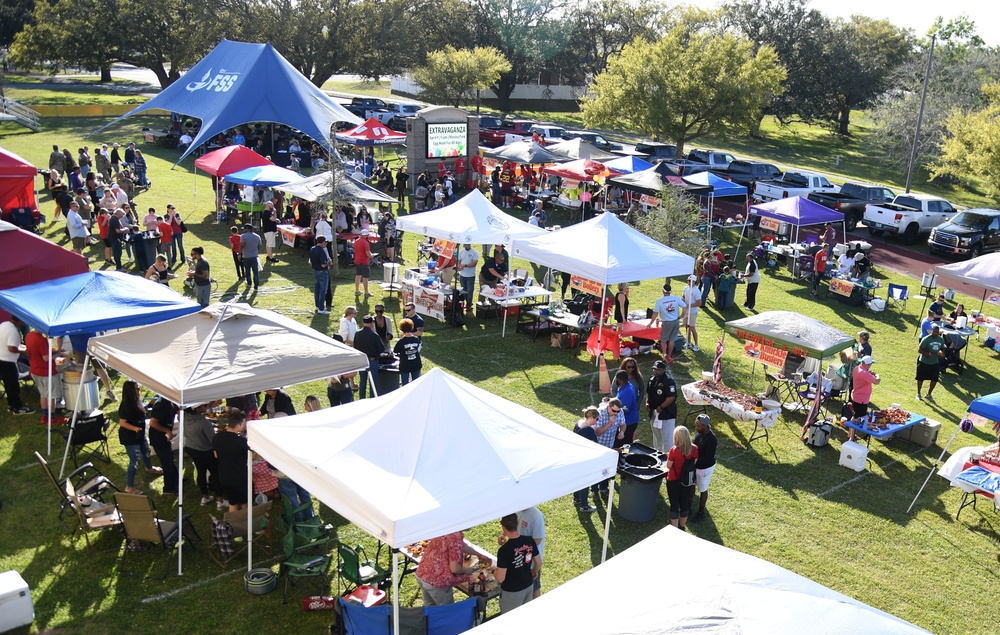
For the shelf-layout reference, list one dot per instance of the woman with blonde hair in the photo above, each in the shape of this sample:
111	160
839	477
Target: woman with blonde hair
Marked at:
678	492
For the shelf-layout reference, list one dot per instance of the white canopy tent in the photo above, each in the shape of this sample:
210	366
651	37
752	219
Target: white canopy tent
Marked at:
983	271
436	456
471	219
326	185
223	351
723	592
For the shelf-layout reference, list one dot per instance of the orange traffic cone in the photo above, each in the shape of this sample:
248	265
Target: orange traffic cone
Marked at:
605	380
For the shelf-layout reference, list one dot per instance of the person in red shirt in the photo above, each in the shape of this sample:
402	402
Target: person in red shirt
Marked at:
103	218
166	237
819	267
362	260
460	172
234	244
680	495
42	372
442	169
442	567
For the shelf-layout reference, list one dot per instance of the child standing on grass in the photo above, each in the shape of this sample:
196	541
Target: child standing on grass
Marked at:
234	244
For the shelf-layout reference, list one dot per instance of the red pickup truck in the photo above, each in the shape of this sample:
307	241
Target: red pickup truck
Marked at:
493	137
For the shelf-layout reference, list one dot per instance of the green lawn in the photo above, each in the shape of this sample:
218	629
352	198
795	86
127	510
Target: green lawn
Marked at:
81	97
780	500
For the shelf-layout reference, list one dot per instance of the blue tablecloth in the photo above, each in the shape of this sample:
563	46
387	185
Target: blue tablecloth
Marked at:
981	478
886	432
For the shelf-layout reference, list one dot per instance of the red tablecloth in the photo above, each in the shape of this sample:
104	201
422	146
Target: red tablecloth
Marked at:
372	237
290	232
611	338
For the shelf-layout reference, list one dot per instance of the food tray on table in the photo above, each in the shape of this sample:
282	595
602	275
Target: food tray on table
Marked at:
482	560
885	423
738	405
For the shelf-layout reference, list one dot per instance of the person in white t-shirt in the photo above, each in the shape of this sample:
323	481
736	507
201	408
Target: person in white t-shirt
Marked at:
467	261
692	298
10	349
531	522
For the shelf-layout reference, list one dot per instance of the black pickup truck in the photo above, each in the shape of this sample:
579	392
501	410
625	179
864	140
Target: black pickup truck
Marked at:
747	173
970	233
852	199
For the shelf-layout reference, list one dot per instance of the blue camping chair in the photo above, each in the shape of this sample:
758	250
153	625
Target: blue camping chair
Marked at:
451	619
897	296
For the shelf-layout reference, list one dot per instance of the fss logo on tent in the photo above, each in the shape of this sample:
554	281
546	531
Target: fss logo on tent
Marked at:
220	83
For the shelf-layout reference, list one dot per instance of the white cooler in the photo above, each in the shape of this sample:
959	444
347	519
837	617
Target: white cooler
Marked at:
853	455
16	608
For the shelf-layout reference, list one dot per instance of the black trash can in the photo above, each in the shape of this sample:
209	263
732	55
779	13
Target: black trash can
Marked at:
641	474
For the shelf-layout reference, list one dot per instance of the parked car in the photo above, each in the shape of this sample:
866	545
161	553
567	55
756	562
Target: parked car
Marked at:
549	132
495	137
747	173
712	158
366	107
595	139
491	122
971	233
399	109
852	199
793	183
656	151
908	215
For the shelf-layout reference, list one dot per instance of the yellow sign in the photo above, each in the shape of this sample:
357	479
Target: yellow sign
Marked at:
765	354
841	287
770	224
587	286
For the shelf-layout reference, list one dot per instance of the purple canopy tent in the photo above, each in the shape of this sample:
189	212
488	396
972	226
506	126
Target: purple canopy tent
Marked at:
797	211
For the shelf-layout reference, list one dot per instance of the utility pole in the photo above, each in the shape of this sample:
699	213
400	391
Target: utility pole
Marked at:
920	116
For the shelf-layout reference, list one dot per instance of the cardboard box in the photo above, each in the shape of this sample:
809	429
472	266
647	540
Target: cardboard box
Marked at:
924	433
16	608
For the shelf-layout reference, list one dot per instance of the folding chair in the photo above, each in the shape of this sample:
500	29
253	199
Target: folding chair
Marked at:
143	525
357	571
87	481
897	297
300	564
87	436
85	523
234	525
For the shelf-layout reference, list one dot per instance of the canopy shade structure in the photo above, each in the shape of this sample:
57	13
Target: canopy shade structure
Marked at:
579	170
725	592
94	301
983	271
320	187
579	149
793	331
17	182
987	406
719	185
650	181
224	350
471	219
229	159
436	456
238	83
606	250
264	176
372	133
29	258
524	152
797	211
628	165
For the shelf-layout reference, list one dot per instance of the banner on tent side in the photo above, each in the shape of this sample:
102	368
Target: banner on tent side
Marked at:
427	302
585	285
646	199
760	340
770	224
765	354
444	248
841	287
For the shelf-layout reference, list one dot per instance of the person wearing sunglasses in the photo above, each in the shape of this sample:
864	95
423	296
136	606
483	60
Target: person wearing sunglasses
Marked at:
383	325
609	420
630	404
410	313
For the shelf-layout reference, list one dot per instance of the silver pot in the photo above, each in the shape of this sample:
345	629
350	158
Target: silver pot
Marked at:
89	399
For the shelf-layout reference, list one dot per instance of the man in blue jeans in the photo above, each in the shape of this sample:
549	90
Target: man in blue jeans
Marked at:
249	252
319	259
368	342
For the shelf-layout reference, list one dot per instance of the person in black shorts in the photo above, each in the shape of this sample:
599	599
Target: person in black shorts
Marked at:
231	450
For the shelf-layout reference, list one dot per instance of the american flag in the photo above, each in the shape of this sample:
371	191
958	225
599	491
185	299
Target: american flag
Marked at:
717	365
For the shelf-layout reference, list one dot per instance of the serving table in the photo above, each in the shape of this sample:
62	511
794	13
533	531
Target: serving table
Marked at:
292	234
541	320
762	421
612	334
483	560
515	299
883	434
852	292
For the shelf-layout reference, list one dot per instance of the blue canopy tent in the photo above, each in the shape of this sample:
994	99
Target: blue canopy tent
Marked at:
239	82
720	187
264	176
628	165
89	302
987	406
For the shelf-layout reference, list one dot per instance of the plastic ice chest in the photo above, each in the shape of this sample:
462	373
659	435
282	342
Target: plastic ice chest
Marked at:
924	433
853	455
16	608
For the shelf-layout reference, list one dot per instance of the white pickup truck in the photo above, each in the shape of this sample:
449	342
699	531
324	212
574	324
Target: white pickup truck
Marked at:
401	110
793	183
908	215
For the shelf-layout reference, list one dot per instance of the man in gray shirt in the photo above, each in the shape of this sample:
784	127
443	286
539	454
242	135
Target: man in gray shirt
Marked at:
249	251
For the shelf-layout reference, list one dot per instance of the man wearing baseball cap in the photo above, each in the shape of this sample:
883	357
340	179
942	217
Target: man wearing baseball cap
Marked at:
863	379
692	298
661	400
668	308
706	442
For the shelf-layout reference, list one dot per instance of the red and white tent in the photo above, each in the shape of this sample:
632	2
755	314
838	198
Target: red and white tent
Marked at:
229	159
580	170
17	182
372	133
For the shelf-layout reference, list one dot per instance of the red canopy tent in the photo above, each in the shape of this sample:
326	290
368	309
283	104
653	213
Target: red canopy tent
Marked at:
17	183
29	259
371	133
229	159
580	170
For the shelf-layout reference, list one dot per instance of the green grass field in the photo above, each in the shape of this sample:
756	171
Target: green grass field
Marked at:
780	500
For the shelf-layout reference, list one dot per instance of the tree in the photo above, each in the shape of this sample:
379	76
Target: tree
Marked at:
857	64
972	143
603	28
14	15
796	34
62	33
685	86
674	222
451	75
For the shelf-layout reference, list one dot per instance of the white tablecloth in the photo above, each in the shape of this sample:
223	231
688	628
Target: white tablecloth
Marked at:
766	419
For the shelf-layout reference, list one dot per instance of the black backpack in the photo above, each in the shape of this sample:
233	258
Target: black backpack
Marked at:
688	472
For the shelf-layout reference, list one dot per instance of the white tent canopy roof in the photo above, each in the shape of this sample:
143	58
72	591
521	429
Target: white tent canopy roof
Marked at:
471	219
724	592
983	271
436	456
606	250
319	186
222	351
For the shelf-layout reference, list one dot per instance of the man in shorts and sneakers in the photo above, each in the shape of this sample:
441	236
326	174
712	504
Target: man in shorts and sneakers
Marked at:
362	260
668	308
269	226
692	298
706	442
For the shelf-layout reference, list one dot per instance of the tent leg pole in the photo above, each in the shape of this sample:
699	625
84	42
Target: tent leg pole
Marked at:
250	510
371	383
180	498
72	423
607	519
933	467
600	331
48	407
395	591
923	312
